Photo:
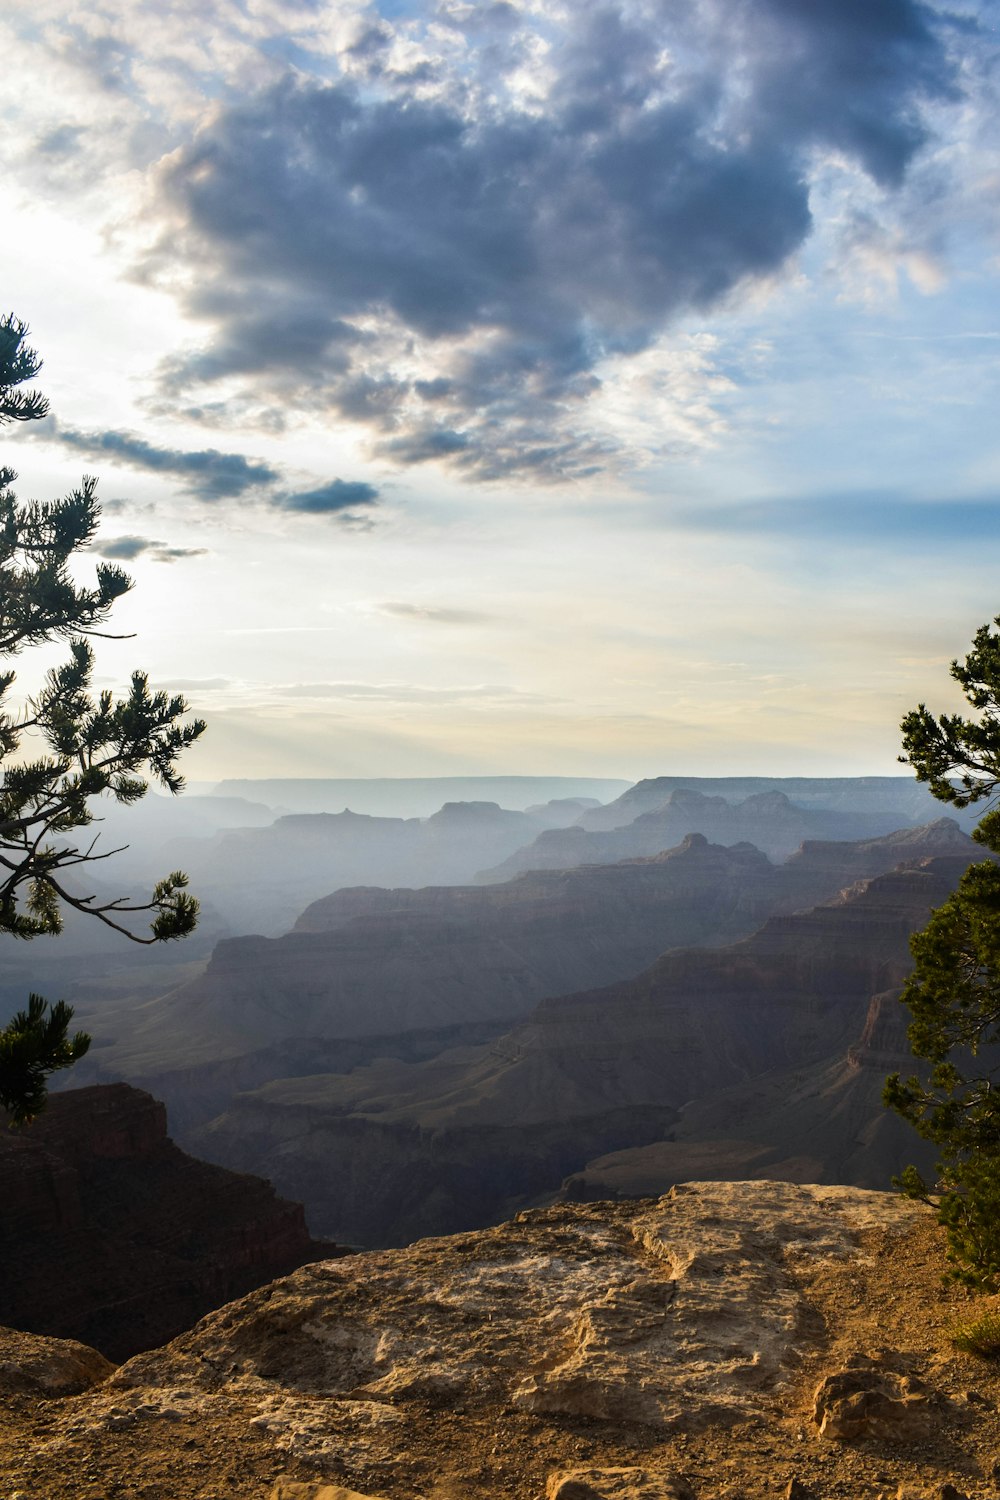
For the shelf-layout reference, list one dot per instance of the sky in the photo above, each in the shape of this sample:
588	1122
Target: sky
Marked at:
586	389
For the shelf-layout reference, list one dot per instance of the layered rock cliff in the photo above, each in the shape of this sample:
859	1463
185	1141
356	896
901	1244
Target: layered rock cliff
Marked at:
112	1235
367	963
259	879
768	820
407	973
819	1123
460	1140
899	798
728	1339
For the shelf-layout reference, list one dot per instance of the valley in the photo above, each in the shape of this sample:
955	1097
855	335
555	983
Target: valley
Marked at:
619	1023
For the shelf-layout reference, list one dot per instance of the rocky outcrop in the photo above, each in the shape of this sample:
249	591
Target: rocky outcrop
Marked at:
112	1235
451	1141
671	1314
31	1365
718	1341
870	1399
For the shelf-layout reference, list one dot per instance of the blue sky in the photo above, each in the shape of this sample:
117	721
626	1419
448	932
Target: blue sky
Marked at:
602	388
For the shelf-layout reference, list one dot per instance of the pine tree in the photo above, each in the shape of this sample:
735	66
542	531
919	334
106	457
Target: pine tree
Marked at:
954	991
33	1045
83	745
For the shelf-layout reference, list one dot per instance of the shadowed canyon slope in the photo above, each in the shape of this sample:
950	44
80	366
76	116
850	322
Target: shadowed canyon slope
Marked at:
462	1138
820	1123
688	1348
112	1235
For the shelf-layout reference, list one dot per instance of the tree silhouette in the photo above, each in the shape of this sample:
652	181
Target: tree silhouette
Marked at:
954	991
66	745
33	1045
91	744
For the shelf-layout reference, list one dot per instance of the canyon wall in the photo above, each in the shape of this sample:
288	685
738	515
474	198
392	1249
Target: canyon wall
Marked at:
112	1235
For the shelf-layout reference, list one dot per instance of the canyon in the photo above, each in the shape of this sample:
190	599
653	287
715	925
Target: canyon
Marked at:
410	973
630	1089
468	1136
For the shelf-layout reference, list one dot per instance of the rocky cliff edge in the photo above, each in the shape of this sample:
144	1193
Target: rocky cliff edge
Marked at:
729	1339
111	1234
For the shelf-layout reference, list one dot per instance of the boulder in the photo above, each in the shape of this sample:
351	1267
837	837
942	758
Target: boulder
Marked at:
35	1366
868	1400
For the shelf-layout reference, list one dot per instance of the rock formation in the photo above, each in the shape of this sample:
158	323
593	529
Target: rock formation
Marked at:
899	799
768	820
365	972
111	1235
820	1123
465	1138
737	1338
406	973
261	878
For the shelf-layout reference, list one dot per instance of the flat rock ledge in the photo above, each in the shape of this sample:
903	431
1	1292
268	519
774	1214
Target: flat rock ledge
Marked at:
670	1313
730	1341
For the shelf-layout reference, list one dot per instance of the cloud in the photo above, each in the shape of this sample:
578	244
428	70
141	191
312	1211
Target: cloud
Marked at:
405	692
63	141
211	476
445	243
433	614
338	495
207	473
126	548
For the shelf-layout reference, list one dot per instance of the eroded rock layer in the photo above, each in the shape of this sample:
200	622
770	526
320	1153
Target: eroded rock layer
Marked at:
112	1235
464	1139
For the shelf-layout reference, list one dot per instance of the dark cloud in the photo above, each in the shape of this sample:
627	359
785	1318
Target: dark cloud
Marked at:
174	554
298	339
338	495
211	476
208	474
452	275
852	73
126	548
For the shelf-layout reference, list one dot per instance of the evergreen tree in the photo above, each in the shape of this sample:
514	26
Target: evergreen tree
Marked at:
85	744
18	363
33	1045
954	991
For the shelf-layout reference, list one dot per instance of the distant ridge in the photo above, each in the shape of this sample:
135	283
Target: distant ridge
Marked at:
414	796
906	798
